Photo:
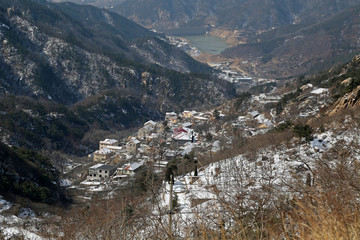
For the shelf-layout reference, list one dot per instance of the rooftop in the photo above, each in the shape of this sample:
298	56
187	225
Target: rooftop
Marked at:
106	167
150	122
103	151
109	141
96	166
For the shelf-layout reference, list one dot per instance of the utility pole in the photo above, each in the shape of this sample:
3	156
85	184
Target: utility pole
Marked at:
169	177
171	205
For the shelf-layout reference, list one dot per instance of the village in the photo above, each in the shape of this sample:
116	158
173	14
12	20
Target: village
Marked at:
156	143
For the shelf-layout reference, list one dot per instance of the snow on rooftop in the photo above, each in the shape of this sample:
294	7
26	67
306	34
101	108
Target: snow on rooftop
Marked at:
186	125
135	141
133	166
183	137
114	147
103	151
171	114
109	141
96	166
150	123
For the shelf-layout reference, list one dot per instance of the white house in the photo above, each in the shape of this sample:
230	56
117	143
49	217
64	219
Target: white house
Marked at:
132	146
130	169
108	142
145	131
103	154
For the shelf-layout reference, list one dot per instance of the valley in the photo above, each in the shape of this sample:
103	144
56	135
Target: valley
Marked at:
183	119
207	44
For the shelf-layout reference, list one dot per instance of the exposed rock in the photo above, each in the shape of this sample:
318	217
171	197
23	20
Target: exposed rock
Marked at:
350	100
346	81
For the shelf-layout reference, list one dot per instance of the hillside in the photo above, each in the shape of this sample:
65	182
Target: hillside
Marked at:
28	174
71	75
303	48
280	161
51	52
200	14
283	158
71	54
290	175
270	39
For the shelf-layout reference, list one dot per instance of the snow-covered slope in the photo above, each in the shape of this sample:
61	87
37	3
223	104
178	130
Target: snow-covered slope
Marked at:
272	175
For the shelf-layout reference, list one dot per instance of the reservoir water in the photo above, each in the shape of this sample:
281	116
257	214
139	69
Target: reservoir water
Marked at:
208	44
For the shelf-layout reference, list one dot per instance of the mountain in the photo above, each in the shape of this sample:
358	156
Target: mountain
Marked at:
71	75
66	52
88	69
244	14
200	14
290	38
303	48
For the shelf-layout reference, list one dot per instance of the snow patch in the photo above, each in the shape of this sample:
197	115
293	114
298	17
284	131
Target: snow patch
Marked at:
319	91
65	183
26	213
4	205
15	233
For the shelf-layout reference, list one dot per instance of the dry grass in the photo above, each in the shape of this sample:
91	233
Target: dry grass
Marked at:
323	218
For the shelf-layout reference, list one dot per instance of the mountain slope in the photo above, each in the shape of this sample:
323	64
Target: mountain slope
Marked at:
48	50
28	174
244	14
302	48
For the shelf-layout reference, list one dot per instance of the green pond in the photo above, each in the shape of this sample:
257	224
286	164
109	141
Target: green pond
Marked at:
208	44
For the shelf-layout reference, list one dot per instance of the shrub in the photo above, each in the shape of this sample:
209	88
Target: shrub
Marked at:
303	131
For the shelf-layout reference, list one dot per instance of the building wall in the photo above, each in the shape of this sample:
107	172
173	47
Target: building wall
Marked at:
102	157
104	145
100	174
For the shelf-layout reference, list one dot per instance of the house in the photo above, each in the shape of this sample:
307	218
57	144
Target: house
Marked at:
186	125
253	114
101	172
108	142
171	117
169	155
150	123
188	114
115	149
132	146
144	149
180	130
130	169
182	136
152	137
144	132
102	154
200	120
159	128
